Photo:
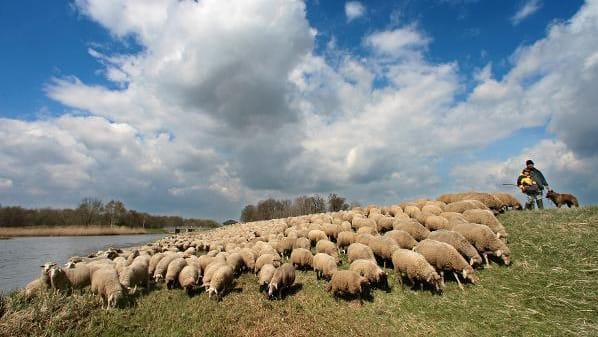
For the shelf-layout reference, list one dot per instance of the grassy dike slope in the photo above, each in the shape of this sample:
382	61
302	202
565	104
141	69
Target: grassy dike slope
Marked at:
551	289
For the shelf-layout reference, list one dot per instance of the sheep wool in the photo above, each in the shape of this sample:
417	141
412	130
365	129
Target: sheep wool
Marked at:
416	268
173	270
414	228
324	265
221	281
348	282
273	259
485	241
460	243
302	258
487	218
283	278
371	271
265	275
402	238
445	257
105	283
358	251
189	278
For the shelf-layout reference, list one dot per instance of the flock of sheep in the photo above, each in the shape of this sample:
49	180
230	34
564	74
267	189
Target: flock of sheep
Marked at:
424	241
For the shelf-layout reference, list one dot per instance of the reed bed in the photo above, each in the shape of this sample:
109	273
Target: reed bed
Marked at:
8	232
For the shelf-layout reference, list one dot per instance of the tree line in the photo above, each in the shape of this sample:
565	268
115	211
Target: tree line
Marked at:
93	212
275	209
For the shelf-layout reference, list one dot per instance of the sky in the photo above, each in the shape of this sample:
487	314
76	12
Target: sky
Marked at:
198	108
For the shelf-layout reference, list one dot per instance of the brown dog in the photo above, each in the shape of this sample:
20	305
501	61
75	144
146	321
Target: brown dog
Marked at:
562	199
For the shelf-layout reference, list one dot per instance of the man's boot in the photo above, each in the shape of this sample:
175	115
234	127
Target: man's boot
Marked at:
529	205
540	203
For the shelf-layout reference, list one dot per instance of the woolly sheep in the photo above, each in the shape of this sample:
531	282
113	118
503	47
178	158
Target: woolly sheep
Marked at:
453	218
344	239
436	222
348	282
154	262
162	266
463	205
58	279
302	243
324	265
79	276
235	261
134	275
359	222
433	209
173	270
460	243
507	200
359	251
485	241
383	247
283	278
363	238
367	230
411	210
189	278
40	283
445	257
221	281
415	229
487	218
209	272
402	238
384	223
327	247
273	259
248	255
285	246
302	258
331	230
371	271
415	266
316	235
265	275
105	283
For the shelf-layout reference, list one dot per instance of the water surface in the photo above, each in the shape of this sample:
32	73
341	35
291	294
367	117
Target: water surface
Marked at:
21	257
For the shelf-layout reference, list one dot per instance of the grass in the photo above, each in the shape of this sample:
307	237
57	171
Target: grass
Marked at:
551	289
7	232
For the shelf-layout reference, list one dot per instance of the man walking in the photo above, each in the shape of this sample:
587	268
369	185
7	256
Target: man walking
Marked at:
537	176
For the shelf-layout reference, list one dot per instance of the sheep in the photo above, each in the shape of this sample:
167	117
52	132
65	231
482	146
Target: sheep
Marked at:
382	247
359	251
283	278
487	218
162	266
302	243
220	282
445	257
79	276
411	210
463	205
235	261
507	200
371	271
316	235
209	273
327	247
265	275
348	282
324	265
436	222
331	231
302	258
189	278
132	256
384	223
285	246
359	222
154	262
415	266
58	279
453	218
134	275
40	283
460	243
105	283
173	270
248	255
363	238
433	209
402	238
415	229
273	259
485	241
344	239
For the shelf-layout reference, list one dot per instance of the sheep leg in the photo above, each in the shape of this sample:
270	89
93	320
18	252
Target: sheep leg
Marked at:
459	282
486	259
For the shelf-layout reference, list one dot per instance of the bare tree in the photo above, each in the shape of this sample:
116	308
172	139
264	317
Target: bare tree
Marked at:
89	211
115	211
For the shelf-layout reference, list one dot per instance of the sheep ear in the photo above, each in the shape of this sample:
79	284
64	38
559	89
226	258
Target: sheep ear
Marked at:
499	252
464	272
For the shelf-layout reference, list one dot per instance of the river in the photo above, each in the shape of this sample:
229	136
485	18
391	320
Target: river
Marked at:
21	257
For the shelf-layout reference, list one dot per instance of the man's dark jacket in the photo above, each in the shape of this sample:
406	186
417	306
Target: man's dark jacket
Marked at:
536	176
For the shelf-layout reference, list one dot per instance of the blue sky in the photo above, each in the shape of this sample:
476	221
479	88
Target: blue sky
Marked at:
198	108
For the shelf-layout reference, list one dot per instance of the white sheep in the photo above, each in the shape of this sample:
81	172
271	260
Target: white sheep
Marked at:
460	243
105	283
189	278
324	265
485	241
371	271
348	283
415	266
359	251
283	278
134	275
445	257
302	258
265	275
173	270
221	281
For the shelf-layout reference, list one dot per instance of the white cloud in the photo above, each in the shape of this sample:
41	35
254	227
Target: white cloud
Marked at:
354	10
396	42
528	8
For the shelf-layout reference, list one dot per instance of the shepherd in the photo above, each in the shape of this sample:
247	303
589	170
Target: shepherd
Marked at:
532	183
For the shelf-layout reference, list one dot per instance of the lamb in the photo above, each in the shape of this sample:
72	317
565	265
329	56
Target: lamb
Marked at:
221	281
327	247
273	259
415	229
189	278
348	283
415	266
402	238
134	275
283	278
359	251
487	218
371	271
485	241
104	282
445	257
324	265
173	270
265	275
344	239
302	258
460	243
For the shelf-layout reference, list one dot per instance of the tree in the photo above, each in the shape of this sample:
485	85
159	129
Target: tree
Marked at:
115	211
336	203
89	211
249	213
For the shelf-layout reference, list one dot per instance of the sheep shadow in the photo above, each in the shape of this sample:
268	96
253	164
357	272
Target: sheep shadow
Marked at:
290	291
366	296
404	282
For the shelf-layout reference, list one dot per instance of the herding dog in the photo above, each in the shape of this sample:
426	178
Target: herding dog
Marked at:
562	199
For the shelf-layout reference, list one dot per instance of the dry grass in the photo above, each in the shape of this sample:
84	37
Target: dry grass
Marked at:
551	289
68	231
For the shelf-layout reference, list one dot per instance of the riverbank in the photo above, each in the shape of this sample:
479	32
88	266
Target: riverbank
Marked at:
9	232
549	290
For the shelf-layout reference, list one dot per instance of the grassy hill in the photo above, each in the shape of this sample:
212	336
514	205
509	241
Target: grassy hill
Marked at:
551	289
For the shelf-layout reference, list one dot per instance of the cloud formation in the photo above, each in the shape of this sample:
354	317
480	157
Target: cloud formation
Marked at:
227	103
354	10
528	8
